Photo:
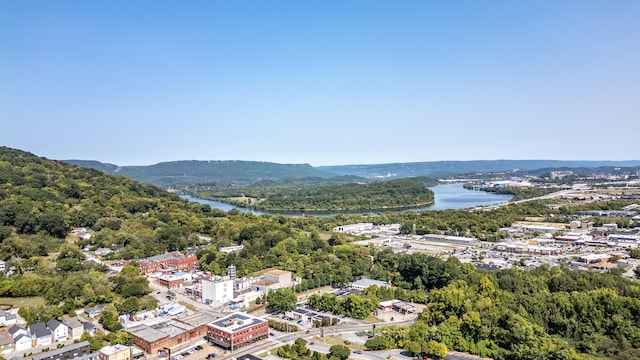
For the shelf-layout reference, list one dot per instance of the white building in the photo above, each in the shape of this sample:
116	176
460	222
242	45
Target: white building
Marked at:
59	330
217	291
281	277
231	249
362	284
22	342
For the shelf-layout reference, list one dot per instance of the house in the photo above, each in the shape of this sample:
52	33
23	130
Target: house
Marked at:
7	318
16	330
76	328
89	328
22	342
6	342
59	330
93	312
103	251
40	334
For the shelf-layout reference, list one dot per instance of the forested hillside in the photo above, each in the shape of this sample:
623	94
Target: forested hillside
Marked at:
550	313
192	171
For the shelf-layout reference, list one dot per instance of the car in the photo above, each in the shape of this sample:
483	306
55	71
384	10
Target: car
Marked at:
211	356
357	351
272	334
312	343
198	348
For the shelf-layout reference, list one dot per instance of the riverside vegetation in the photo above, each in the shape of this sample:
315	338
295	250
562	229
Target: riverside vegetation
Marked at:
392	194
554	312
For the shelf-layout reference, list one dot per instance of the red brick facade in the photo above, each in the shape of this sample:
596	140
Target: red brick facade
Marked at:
169	262
231	337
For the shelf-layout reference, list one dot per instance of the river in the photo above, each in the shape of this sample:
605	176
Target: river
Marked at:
447	196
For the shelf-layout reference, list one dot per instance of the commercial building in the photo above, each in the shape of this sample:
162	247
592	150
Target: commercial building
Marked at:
217	290
281	277
237	330
448	238
115	352
169	262
362	284
165	334
520	248
72	351
594	258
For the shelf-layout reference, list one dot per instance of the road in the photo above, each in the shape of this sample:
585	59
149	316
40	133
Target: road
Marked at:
544	197
277	341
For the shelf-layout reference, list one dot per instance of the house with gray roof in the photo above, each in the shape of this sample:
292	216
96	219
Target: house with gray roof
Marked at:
22	342
93	312
7	318
59	330
40	334
90	328
16	330
76	327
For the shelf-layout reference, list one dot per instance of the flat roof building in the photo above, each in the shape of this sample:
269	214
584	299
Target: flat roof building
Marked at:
362	284
237	330
165	334
169	262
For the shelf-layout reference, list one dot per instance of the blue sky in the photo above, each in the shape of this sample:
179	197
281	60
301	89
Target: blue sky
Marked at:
320	82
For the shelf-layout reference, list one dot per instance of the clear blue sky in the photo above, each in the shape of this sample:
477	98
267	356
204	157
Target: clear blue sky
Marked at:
320	82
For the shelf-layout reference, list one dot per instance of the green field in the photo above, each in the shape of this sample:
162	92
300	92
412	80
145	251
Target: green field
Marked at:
23	301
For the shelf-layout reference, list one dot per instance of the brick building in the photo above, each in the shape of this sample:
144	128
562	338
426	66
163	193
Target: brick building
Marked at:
165	334
237	330
169	262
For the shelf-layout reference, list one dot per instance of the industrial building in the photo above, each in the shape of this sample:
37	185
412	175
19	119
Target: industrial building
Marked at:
169	262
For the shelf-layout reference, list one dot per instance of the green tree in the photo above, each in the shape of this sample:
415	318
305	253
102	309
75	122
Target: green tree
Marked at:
339	351
437	349
282	300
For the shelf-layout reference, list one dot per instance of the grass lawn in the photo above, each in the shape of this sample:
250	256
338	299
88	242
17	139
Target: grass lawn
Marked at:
372	319
19	302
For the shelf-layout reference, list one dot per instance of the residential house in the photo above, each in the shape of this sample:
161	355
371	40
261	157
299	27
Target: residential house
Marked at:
40	334
22	342
90	328
93	312
16	330
6	342
59	330
76	328
7	318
